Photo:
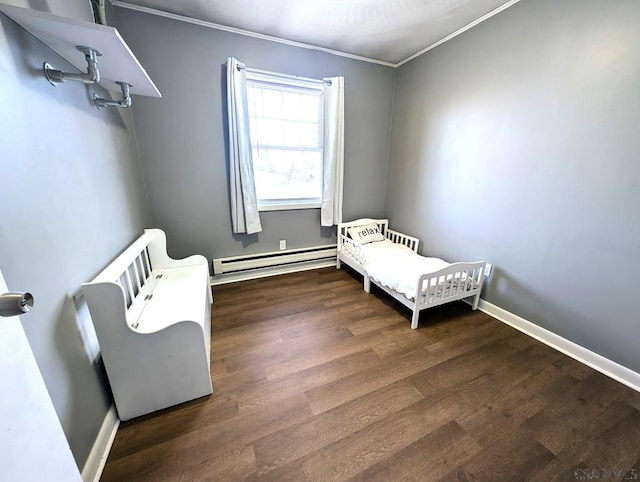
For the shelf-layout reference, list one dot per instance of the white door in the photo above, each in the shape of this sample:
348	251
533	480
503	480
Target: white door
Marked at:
33	447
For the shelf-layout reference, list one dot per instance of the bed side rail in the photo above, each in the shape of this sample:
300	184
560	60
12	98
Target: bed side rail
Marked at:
351	249
400	238
455	282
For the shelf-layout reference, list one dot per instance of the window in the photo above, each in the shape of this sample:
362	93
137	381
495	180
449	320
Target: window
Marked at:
285	122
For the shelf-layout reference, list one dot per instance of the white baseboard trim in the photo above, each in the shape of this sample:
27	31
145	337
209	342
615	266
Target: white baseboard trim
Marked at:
605	366
93	467
270	271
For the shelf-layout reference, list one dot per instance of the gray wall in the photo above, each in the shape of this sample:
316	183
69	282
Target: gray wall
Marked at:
517	142
182	137
518	135
71	200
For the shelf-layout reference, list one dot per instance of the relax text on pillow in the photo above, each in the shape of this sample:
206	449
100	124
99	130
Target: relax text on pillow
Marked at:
367	233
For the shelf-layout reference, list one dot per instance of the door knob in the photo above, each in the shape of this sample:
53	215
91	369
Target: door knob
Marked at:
14	304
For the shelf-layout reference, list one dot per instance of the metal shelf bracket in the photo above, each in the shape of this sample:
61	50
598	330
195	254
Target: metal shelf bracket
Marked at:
91	76
123	103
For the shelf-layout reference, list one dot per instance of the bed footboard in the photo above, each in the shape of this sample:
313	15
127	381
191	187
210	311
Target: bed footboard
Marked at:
455	282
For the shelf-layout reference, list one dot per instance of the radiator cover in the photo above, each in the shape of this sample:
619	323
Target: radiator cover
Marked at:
234	264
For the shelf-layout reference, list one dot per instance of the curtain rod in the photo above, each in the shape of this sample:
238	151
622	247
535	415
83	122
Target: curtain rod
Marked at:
285	76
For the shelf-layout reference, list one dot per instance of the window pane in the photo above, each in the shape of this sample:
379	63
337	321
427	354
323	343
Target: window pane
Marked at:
291	106
272	102
292	134
272	132
309	107
287	174
286	134
310	136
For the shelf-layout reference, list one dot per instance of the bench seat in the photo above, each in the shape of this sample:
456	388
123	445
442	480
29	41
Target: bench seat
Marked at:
152	316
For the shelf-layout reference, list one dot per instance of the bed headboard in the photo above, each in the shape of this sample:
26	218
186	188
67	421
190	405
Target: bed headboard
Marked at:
383	224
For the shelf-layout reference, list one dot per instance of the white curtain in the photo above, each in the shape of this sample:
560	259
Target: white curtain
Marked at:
245	217
333	161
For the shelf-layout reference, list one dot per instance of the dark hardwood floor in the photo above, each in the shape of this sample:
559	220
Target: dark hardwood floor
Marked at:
316	380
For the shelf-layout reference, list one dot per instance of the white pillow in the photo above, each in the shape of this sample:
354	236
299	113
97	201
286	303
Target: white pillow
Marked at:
367	233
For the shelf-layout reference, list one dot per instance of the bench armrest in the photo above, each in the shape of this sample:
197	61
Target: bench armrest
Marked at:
158	252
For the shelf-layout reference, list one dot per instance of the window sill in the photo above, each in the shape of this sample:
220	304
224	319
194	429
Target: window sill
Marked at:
287	206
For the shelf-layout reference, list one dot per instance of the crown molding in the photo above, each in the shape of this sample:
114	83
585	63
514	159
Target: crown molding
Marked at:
459	31
247	33
269	38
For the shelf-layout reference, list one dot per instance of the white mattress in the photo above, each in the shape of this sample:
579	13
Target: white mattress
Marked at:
398	267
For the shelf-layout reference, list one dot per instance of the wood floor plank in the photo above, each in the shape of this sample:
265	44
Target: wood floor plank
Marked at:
237	381
275	356
374	323
265	392
293	443
573	368
292	472
179	460
196	448
314	379
429	458
234	464
632	398
444	375
395	341
251	384
561	422
380	441
472	335
514	456
338	369
577	452
498	419
228	345
145	432
315	353
385	373
250	426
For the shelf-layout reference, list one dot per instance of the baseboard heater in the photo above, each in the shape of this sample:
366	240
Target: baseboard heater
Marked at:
236	268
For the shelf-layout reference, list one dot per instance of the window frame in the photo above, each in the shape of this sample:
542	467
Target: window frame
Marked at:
285	82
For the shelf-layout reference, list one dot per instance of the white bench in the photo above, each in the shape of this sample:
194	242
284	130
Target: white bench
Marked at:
152	316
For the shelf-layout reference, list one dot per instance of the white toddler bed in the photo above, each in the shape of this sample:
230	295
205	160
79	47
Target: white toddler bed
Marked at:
390	260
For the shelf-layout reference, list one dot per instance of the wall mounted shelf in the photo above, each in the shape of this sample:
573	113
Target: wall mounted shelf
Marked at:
62	35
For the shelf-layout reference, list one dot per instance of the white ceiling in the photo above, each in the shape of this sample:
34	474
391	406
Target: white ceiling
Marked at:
385	30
